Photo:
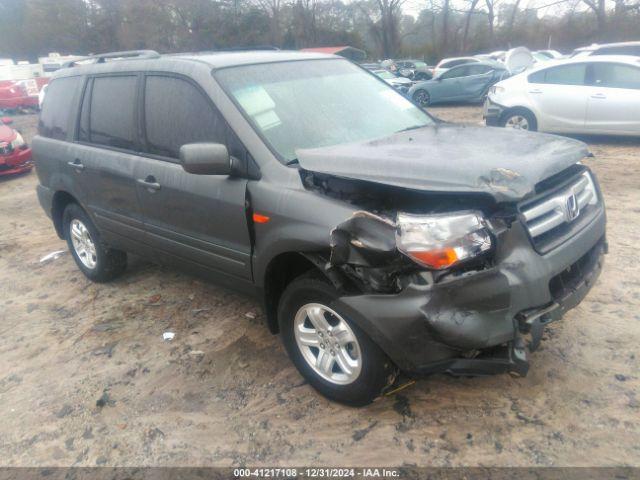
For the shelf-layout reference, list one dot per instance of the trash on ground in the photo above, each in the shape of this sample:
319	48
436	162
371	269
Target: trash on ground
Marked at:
52	256
250	315
168	336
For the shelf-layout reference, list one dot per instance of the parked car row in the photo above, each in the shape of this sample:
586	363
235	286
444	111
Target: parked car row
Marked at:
596	94
596	89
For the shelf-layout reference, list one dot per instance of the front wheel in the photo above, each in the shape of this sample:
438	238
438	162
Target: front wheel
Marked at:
422	98
520	119
328	349
98	262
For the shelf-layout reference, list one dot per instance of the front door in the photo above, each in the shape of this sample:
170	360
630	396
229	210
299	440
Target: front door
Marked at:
560	97
194	219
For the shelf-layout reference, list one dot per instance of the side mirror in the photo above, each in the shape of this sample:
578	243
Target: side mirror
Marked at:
205	159
6	120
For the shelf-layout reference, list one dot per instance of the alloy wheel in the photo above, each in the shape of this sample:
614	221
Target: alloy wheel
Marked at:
327	343
422	98
517	122
83	244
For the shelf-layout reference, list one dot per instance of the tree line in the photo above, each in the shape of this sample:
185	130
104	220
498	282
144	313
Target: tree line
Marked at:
383	28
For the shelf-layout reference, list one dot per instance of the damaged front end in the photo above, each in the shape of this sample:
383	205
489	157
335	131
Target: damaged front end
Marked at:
451	284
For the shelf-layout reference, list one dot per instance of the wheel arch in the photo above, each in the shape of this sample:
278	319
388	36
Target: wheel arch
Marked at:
280	272
418	89
59	202
519	108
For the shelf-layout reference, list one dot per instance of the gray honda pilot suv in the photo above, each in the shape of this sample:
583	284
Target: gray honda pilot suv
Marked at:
380	240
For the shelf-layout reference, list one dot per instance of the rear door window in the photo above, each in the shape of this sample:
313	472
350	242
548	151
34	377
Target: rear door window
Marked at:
177	112
478	69
455	72
573	74
57	108
614	75
453	63
108	114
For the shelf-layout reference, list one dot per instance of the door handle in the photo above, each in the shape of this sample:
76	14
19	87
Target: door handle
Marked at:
77	164
149	183
535	91
601	96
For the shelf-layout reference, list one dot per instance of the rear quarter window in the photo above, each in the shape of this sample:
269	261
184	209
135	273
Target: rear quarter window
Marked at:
58	108
109	118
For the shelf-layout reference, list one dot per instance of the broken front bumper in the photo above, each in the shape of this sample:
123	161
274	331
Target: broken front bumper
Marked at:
492	112
18	161
442	327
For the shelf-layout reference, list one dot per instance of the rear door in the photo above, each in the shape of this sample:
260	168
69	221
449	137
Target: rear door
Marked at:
614	99
559	95
105	157
476	82
194	219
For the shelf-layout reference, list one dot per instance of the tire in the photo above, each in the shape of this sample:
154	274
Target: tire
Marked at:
98	262
422	98
519	119
371	370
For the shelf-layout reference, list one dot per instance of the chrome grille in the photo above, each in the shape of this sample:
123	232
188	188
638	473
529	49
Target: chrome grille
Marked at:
560	208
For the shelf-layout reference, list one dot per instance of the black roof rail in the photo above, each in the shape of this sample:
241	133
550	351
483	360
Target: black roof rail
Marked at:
101	58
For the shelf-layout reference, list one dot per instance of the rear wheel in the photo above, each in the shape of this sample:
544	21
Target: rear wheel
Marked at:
328	349
98	262
422	98
520	119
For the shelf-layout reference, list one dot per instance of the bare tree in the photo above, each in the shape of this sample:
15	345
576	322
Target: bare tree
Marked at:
491	18
384	24
467	22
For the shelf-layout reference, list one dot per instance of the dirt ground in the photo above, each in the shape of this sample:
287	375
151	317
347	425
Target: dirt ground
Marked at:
86	378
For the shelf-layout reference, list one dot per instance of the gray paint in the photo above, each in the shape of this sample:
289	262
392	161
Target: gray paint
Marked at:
451	158
200	222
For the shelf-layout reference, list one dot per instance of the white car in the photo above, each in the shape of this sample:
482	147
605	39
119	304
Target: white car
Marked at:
447	63
620	48
599	95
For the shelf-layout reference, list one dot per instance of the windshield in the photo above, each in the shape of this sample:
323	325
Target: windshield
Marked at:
317	103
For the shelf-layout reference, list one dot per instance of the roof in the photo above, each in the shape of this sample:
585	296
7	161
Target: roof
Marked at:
628	59
346	51
597	46
208	60
329	50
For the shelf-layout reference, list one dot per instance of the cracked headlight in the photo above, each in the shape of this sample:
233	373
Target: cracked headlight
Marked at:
18	142
442	240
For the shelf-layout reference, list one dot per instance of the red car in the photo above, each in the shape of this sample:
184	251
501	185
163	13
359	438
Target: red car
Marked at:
15	154
16	94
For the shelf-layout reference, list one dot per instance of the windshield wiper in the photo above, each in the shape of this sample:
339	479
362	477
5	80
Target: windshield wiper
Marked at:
414	127
292	162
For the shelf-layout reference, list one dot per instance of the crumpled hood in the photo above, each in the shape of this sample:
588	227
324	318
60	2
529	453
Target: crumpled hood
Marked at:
7	134
504	163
